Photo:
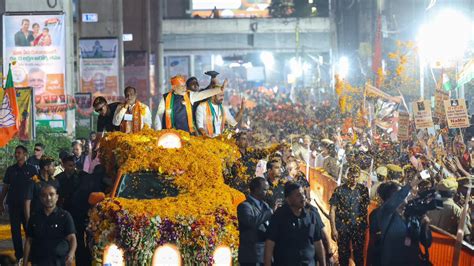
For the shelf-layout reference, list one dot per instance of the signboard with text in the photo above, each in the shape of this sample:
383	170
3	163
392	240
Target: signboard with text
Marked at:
456	113
403	126
422	114
440	97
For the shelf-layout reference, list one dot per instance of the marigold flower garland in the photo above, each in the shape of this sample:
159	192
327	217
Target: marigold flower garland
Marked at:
200	218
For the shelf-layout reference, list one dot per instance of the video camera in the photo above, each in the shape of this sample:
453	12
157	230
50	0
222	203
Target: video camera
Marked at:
426	201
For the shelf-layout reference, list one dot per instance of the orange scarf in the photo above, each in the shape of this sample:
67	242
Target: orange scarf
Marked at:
169	112
136	120
211	117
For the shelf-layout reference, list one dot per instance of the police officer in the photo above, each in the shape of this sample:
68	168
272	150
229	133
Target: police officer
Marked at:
449	216
15	183
50	235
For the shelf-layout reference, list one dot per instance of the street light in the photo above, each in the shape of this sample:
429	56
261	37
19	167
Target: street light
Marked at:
267	59
343	68
445	37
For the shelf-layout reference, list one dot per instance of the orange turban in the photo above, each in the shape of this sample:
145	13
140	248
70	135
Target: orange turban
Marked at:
178	81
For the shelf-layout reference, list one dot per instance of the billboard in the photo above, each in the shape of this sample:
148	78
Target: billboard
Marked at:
231	8
99	67
36	46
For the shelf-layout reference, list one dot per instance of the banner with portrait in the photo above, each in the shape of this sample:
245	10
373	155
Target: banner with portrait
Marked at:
99	67
35	44
24	99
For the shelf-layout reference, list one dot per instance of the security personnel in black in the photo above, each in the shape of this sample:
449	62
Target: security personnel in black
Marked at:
15	182
72	184
45	177
50	236
294	236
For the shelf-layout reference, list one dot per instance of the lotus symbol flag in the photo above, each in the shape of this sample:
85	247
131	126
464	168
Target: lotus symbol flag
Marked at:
9	113
7	119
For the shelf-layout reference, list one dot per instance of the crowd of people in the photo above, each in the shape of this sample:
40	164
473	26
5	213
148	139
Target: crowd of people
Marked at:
279	223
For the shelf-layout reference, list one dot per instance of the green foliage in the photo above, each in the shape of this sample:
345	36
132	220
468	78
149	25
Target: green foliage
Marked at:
54	143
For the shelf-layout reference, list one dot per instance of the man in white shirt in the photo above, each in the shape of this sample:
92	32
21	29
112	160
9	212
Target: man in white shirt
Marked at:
175	109
132	115
211	116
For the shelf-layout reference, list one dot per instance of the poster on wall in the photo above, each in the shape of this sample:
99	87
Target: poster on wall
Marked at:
99	68
24	99
422	114
456	113
35	44
136	74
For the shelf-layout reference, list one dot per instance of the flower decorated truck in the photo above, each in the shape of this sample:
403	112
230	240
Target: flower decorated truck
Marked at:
169	204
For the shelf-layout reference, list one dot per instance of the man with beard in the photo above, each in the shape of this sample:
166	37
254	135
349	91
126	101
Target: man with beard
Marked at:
50	238
348	217
212	115
176	107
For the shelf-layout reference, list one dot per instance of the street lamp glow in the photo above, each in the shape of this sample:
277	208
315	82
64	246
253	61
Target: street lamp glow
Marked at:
445	37
343	69
267	59
296	68
218	60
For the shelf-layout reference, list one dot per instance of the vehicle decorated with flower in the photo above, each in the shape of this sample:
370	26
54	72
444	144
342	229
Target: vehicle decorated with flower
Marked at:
169	203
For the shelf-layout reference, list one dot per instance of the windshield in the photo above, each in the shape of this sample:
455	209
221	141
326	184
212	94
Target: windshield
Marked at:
147	185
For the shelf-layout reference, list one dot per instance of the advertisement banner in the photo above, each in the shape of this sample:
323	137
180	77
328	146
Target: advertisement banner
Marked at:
99	67
136	74
456	113
83	109
440	96
35	44
422	114
403	126
24	99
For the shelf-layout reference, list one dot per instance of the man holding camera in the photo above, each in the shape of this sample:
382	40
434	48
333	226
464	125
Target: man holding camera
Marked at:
400	246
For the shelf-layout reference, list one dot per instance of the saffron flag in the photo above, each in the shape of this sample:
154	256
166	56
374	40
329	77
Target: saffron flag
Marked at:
9	113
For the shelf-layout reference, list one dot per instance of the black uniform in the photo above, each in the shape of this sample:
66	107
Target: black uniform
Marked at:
294	236
34	191
18	177
74	193
104	123
35	162
49	245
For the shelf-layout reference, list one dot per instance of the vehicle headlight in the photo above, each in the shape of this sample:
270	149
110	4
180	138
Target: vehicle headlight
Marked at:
166	255
113	256
222	256
170	141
